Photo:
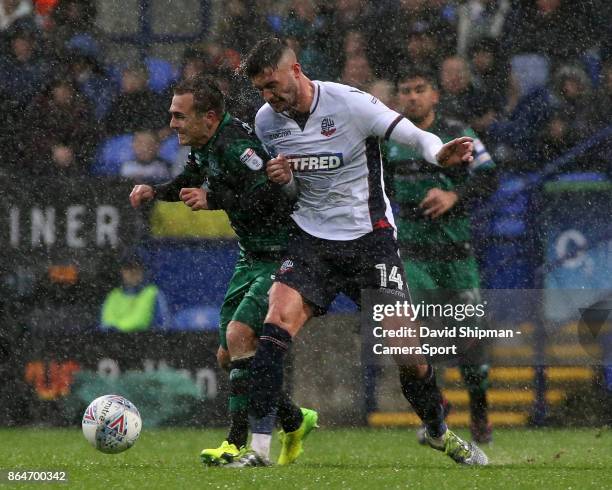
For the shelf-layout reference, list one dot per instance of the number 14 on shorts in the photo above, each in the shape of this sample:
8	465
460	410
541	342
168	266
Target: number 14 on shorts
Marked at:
394	276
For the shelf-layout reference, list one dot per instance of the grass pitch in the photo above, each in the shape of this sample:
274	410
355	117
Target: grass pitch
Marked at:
347	458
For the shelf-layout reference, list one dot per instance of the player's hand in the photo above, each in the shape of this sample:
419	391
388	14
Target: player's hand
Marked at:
141	193
194	197
279	170
456	152
437	202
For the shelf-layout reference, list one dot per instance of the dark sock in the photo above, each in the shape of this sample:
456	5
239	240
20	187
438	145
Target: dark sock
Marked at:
476	379
426	399
240	380
289	414
267	370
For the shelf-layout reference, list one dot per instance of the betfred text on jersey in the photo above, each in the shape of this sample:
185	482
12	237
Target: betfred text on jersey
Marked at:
309	163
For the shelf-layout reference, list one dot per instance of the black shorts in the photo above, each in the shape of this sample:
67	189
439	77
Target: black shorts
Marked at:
321	269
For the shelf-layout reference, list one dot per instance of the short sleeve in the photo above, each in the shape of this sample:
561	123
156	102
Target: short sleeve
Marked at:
372	117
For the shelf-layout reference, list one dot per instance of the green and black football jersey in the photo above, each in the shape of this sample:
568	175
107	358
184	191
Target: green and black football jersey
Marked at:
231	167
409	177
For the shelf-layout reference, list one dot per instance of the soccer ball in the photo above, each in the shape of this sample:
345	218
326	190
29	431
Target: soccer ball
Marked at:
111	424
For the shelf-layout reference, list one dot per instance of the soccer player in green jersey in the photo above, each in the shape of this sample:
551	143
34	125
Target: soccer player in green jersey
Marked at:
226	170
433	223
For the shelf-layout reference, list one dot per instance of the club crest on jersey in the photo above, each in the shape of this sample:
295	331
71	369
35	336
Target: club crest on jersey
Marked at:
328	127
286	266
310	163
251	159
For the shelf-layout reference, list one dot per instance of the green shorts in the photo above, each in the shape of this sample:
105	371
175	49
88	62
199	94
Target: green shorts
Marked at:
454	275
246	299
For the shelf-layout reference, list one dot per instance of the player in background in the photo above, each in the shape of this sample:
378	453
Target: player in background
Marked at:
433	223
327	140
226	171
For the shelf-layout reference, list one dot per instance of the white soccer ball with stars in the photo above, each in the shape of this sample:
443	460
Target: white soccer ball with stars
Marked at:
111	424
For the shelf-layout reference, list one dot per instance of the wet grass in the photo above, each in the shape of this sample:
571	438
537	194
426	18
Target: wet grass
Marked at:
348	458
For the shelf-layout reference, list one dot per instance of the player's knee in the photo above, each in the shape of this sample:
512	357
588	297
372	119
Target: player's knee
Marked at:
223	359
414	372
241	340
287	309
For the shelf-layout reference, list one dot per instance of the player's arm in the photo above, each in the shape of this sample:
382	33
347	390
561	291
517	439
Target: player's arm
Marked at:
188	178
249	186
482	178
168	191
376	119
278	170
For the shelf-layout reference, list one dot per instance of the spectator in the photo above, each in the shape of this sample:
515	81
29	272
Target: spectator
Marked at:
422	45
490	79
148	167
480	19
572	119
137	107
12	10
62	117
22	71
458	94
84	62
241	25
357	72
603	109
383	90
135	305
558	29
307	31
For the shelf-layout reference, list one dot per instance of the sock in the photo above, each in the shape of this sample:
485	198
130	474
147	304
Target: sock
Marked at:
476	379
289	414
426	400
260	443
267	370
240	379
261	429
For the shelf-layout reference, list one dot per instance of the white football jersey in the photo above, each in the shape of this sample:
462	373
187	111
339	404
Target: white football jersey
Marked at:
336	160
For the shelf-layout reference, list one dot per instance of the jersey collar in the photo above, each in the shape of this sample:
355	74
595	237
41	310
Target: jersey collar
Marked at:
225	120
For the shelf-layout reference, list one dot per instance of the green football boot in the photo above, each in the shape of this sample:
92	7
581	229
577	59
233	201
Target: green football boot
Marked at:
222	455
291	442
458	450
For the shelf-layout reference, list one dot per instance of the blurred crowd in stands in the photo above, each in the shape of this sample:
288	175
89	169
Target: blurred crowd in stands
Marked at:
532	77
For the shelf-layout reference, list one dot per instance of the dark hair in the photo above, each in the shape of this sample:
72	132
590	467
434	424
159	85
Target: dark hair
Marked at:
265	54
206	94
414	71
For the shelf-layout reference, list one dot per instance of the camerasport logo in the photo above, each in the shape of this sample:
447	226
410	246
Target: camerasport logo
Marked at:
328	127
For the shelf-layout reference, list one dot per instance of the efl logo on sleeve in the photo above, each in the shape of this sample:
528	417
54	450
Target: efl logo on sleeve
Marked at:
251	159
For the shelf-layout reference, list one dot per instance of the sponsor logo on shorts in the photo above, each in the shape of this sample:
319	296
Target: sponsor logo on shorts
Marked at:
328	127
310	163
251	159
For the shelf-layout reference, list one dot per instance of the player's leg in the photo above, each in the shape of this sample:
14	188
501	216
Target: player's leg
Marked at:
233	446
417	378
299	291
295	422
287	313
462	276
421	281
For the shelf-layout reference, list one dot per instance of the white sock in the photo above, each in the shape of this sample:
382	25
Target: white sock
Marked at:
260	443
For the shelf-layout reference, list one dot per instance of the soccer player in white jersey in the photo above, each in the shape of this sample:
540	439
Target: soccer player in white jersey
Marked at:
326	136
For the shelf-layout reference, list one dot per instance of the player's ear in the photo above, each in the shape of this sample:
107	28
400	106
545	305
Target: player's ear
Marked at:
296	68
435	95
